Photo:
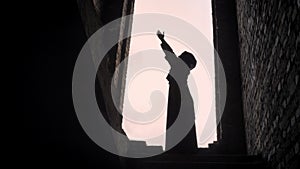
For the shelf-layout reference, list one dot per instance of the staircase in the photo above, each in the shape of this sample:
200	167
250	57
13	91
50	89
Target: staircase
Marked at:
206	158
187	161
134	146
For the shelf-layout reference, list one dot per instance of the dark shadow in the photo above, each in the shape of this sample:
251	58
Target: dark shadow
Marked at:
180	97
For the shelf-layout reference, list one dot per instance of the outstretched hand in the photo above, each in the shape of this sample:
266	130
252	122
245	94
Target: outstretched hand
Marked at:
160	35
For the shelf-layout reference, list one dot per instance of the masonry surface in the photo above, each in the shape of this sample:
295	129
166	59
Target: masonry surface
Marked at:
269	46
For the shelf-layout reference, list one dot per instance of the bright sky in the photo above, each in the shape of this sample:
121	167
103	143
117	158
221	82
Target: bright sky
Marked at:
139	88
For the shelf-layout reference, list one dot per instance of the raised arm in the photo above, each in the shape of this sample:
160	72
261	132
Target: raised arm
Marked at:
170	55
164	45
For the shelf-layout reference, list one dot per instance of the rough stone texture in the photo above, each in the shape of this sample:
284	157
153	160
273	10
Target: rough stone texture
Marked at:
269	45
95	14
231	133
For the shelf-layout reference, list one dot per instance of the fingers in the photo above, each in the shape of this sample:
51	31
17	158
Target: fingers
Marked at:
160	35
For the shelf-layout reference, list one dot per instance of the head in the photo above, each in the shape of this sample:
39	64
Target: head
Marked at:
188	59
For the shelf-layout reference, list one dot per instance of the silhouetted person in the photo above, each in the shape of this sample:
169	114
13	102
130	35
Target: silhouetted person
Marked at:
179	96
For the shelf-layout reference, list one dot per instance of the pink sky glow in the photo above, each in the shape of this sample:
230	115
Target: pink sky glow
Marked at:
138	89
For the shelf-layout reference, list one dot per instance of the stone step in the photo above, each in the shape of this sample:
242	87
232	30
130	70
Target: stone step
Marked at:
199	165
199	161
212	145
205	158
135	147
137	144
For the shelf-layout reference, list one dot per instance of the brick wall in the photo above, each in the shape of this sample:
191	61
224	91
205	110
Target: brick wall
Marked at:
270	66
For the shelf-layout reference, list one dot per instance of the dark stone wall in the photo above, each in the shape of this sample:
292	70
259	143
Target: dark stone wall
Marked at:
269	45
231	136
95	14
